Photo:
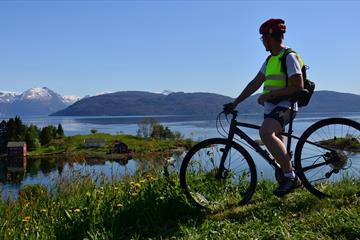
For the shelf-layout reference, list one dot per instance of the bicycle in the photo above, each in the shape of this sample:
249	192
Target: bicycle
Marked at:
220	172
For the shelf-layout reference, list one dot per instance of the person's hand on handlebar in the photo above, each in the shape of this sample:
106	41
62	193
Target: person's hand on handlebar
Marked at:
228	108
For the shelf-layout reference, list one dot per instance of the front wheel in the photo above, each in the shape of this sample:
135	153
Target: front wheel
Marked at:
208	187
329	152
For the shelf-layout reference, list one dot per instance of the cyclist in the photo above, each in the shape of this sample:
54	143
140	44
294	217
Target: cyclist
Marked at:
277	114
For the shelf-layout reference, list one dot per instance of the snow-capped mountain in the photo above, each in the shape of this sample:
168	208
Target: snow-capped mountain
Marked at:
42	94
34	101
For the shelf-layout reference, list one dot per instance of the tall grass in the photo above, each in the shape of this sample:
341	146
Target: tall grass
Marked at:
152	206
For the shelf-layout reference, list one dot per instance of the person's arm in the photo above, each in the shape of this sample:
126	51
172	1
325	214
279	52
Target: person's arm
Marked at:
295	85
254	85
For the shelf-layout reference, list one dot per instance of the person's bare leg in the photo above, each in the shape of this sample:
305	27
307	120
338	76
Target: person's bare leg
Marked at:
269	133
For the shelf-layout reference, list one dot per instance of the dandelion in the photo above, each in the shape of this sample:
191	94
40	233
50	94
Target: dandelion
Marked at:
119	205
77	210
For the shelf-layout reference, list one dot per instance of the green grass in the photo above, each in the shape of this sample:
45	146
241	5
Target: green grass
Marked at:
154	207
138	145
347	143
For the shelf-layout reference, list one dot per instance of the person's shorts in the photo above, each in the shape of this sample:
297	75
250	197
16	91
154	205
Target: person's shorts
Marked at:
281	114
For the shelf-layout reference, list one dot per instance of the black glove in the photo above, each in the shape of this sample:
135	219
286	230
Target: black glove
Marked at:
228	108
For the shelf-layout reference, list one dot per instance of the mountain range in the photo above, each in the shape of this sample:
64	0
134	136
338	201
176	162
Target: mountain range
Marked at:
127	103
43	101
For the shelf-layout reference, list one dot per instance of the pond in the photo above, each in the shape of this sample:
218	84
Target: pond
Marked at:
48	171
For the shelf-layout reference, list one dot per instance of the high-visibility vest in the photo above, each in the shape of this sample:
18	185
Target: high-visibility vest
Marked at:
275	76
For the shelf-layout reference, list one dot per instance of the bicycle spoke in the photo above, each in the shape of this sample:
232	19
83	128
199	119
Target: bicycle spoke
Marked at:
209	186
332	142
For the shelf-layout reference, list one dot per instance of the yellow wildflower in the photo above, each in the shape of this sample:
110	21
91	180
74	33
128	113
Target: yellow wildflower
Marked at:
142	181
134	194
77	210
119	205
116	188
43	210
137	185
26	219
132	183
88	194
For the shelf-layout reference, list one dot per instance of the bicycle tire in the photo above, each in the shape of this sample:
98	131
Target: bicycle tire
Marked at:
200	184
337	159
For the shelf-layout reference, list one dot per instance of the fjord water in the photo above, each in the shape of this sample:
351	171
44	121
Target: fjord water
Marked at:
47	172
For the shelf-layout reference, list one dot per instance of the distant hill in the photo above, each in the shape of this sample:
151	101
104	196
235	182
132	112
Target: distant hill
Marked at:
128	103
329	101
146	103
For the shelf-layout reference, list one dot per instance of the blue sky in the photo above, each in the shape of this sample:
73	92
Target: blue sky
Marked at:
87	47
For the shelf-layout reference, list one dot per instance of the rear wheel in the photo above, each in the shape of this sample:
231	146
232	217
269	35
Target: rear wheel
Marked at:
206	186
329	152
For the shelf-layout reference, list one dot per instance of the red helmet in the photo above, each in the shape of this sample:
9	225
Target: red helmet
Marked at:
273	26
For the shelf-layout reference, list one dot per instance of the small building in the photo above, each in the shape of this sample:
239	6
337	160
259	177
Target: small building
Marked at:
94	142
16	156
120	147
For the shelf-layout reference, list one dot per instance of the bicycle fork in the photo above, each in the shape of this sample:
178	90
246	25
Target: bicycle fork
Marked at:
222	171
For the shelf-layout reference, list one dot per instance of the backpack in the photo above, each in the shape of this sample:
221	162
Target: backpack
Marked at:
305	97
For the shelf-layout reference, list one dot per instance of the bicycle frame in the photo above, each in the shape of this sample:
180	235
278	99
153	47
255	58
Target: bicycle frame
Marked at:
235	130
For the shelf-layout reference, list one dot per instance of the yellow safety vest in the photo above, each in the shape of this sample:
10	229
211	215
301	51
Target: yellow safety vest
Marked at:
275	77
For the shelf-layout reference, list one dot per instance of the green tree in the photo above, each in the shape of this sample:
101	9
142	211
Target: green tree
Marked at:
146	127
11	132
162	132
47	134
3	136
15	129
20	129
32	137
60	131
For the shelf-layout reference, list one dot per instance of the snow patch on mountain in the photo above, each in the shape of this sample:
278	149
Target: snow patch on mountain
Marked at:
70	99
167	92
38	94
8	97
102	93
